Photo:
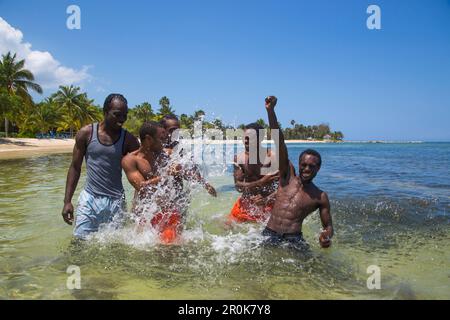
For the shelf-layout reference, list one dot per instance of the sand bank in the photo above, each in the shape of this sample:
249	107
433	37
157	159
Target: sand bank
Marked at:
11	148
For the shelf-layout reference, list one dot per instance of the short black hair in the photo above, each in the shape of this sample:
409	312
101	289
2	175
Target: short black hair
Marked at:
110	98
168	117
311	152
149	128
255	126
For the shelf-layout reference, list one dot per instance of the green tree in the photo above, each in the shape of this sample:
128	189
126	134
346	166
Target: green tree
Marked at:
186	121
138	115
46	116
144	112
262	123
218	124
13	108
133	124
322	130
17	81
338	136
165	108
77	108
199	114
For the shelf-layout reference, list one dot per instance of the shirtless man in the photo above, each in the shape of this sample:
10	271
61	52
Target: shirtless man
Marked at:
258	191
145	170
297	196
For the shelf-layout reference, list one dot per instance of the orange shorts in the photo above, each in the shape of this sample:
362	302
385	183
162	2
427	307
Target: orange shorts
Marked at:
168	225
244	211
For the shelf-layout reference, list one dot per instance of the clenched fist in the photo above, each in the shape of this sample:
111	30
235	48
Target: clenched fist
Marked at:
271	102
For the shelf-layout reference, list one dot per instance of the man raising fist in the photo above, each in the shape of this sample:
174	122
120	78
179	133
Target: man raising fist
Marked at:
297	196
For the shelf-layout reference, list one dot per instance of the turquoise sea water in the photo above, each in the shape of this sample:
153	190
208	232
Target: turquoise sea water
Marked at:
390	205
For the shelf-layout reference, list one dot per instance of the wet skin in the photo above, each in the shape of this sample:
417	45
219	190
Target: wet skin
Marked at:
248	179
141	166
109	131
297	196
170	126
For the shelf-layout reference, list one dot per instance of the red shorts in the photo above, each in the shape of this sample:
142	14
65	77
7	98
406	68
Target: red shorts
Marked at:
245	211
168	225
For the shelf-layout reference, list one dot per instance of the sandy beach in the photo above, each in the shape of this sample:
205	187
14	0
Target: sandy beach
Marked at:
11	148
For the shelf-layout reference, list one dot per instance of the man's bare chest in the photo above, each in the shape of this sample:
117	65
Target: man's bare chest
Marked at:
297	200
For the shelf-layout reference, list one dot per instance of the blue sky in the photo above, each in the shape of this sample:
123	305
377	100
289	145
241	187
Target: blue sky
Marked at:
225	56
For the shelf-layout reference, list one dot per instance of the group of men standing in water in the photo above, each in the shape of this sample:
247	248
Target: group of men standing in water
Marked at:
282	198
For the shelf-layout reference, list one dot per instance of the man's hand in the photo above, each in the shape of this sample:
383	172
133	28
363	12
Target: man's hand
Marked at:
210	190
148	186
325	239
258	199
152	181
270	177
67	213
271	102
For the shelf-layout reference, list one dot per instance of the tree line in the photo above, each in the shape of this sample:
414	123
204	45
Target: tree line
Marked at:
69	109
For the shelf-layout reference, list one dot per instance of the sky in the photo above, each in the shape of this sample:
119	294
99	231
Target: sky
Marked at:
224	56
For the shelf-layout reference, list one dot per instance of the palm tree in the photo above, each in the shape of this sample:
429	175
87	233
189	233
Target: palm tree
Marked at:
186	121
262	123
46	115
218	124
76	106
199	115
89	114
338	135
165	108
144	112
17	80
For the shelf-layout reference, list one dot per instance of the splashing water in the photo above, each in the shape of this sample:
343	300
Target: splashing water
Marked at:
405	233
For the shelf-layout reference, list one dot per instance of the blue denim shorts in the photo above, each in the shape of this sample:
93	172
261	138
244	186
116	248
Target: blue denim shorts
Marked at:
92	211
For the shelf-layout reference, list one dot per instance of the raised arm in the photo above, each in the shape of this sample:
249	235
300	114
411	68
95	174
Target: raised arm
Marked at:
73	175
327	224
280	144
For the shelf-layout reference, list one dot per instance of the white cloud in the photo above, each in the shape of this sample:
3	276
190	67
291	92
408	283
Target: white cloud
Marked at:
48	71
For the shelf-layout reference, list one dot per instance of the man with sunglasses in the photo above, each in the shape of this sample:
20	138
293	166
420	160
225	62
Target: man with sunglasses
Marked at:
103	145
297	196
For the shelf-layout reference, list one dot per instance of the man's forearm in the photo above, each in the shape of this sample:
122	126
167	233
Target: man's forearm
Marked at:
71	184
273	123
279	143
152	181
250	185
330	230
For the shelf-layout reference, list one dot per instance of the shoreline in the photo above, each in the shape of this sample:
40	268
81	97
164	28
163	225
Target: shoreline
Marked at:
12	148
